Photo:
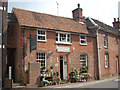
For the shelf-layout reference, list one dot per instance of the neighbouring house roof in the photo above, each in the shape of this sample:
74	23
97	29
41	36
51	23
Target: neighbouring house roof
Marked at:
41	20
105	27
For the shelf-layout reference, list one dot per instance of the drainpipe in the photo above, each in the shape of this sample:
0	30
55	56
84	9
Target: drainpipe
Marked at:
98	47
23	50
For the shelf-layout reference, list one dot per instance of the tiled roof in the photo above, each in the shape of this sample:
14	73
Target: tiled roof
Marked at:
105	27
41	20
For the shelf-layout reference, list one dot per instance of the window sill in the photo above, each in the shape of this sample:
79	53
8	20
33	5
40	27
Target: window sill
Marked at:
105	47
65	43
106	67
42	40
83	44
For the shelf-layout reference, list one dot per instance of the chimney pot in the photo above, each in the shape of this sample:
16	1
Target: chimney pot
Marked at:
78	5
118	19
114	19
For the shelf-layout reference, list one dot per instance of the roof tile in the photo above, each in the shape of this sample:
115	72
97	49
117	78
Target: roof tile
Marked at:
41	20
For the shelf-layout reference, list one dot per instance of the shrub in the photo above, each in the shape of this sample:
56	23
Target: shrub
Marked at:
51	67
43	67
84	69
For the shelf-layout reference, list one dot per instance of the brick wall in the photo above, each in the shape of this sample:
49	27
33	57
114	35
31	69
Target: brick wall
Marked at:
15	42
112	50
53	57
73	58
34	73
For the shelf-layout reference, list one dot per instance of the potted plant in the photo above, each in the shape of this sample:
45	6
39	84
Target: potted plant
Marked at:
43	67
51	67
84	69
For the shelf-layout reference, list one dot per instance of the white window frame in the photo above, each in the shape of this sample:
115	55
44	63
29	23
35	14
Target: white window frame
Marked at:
39	60
81	39
105	41
115	40
106	60
41	35
83	60
66	38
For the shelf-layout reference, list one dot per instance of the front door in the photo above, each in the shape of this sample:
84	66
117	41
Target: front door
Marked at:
117	64
63	67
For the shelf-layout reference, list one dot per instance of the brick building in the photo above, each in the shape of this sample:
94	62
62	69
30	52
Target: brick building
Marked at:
62	42
108	44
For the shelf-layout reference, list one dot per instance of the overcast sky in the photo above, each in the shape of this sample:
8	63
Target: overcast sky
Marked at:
103	10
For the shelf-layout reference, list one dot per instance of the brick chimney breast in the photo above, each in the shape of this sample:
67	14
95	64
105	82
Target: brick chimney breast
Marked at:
77	14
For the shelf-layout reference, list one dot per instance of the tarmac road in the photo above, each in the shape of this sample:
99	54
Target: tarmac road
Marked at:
106	84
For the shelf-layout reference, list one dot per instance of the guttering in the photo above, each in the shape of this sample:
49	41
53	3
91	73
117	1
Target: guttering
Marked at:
23	26
98	47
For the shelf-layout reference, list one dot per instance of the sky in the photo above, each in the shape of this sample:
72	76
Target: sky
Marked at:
102	10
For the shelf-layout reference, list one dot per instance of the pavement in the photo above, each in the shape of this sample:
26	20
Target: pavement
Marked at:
80	84
72	85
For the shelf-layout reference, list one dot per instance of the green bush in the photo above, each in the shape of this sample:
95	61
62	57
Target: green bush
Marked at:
51	67
84	69
43	67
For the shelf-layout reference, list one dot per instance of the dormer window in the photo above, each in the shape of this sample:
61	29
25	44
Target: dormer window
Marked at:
83	40
41	35
63	38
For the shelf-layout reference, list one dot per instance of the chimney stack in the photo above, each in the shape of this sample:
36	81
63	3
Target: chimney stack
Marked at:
118	19
77	14
114	19
116	24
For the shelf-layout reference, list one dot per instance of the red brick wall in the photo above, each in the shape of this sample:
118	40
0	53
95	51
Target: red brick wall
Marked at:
112	50
34	73
49	48
15	42
73	58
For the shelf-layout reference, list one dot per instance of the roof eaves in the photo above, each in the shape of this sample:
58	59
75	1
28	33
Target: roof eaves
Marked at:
23	26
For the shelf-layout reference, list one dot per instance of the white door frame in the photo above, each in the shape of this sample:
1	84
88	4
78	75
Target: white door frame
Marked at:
64	67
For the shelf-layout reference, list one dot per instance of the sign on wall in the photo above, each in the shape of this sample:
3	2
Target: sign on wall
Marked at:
63	49
33	43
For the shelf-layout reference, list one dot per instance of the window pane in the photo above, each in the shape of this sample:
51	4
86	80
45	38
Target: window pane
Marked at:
106	60
115	39
82	37
83	40
105	40
41	32
41	37
56	36
83	60
41	58
63	37
68	38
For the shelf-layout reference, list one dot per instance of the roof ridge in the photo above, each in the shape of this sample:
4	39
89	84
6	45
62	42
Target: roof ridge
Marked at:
41	13
104	23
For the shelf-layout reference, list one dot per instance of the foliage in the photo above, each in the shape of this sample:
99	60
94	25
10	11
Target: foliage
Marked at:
49	83
56	77
84	69
51	67
43	76
43	67
69	74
